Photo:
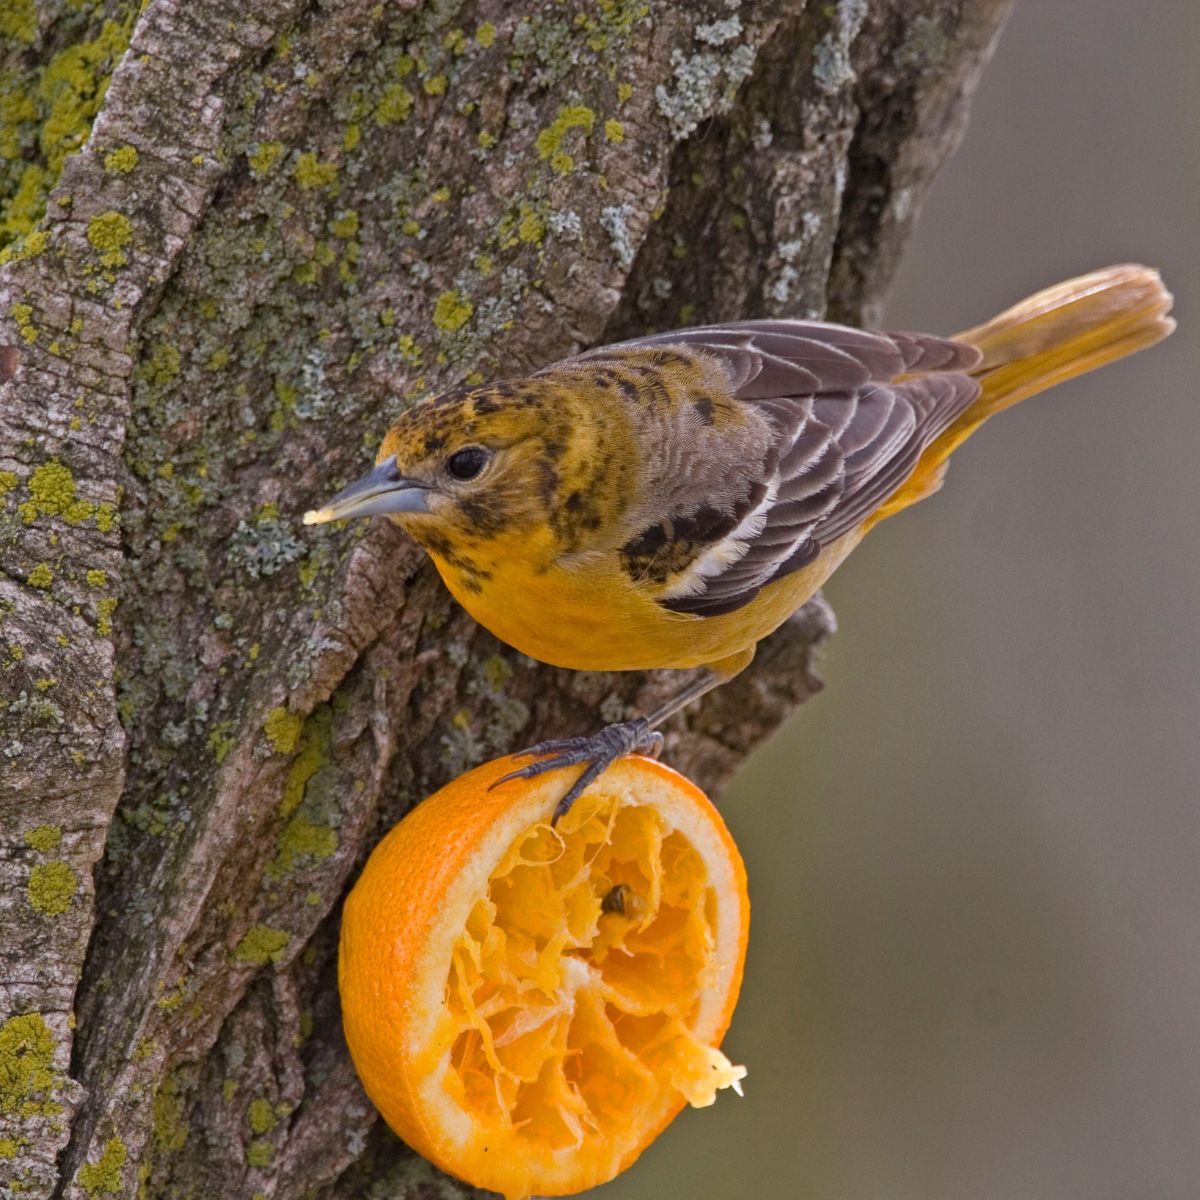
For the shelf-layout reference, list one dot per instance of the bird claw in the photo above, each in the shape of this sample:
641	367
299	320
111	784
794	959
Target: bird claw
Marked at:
597	752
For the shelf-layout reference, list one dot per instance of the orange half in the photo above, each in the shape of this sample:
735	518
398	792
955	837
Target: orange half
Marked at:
530	1006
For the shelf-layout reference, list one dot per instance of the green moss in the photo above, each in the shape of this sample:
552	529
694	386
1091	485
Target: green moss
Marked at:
259	1153
52	887
105	1174
264	156
452	311
121	161
41	576
394	105
110	233
44	838
311	173
261	945
485	35
549	142
261	1116
283	729
27	1074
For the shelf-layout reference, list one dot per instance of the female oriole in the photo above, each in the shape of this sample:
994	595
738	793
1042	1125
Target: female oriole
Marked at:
668	501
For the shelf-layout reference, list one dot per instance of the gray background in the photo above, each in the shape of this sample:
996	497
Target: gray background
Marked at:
975	956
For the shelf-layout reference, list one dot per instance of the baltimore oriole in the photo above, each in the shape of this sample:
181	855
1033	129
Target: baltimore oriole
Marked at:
668	501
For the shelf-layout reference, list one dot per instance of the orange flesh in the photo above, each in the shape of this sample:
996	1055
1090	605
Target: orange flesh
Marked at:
570	1018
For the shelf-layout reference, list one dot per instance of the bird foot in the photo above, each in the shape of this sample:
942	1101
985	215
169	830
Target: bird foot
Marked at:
598	752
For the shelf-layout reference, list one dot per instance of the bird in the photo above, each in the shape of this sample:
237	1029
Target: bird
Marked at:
669	501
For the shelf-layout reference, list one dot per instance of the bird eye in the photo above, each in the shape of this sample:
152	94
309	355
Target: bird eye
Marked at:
467	463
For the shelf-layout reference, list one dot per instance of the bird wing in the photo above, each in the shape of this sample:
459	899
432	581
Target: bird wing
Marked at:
852	412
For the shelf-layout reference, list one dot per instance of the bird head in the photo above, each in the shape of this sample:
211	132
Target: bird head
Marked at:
463	468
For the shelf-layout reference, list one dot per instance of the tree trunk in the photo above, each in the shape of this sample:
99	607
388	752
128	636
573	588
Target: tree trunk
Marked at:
240	239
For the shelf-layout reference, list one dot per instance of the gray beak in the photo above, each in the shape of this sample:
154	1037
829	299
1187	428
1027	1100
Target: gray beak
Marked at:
383	490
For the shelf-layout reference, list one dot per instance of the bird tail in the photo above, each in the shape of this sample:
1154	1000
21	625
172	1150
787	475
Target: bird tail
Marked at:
1047	339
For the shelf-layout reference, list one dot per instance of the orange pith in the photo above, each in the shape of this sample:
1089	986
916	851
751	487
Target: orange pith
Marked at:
527	1006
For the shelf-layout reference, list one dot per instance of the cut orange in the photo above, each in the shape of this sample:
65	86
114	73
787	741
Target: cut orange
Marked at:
530	1006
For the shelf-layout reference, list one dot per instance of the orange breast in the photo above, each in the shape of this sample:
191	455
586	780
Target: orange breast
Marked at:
588	615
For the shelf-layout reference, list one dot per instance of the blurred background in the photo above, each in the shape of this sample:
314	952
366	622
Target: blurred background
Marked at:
975	859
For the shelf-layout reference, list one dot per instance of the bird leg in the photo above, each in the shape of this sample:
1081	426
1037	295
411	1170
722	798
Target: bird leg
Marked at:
599	751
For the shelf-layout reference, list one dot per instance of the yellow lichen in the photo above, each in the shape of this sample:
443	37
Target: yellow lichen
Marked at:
52	887
44	838
97	578
264	156
614	131
27	1075
310	172
485	35
345	226
104	1175
110	233
451	311
122	160
261	1116
161	365
283	730
259	1153
23	315
18	20
261	945
549	142
52	494
41	576
394	105
104	611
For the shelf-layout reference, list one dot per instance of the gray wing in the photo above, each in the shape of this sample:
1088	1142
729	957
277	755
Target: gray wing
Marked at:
853	412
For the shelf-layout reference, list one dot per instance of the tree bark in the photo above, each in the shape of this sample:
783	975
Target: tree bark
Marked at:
239	239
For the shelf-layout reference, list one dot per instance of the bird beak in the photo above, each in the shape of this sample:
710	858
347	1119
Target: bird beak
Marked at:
383	490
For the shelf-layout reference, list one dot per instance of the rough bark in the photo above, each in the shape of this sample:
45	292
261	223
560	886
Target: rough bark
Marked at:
277	224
